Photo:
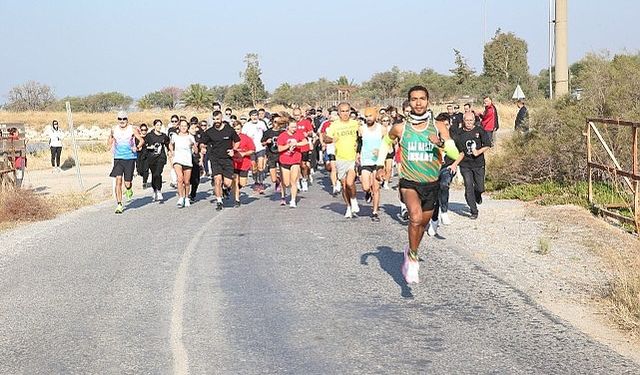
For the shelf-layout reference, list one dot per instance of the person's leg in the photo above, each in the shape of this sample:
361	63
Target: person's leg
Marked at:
350	181
293	178
286	181
58	155
388	170
418	219
157	166
261	166
194	180
333	174
145	170
375	192
469	190
478	182
445	182
186	178
217	186
365	179
236	187
180	180
119	189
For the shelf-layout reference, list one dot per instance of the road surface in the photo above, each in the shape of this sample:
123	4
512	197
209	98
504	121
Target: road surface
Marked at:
265	289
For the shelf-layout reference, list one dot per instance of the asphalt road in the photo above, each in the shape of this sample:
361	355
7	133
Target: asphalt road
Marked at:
265	289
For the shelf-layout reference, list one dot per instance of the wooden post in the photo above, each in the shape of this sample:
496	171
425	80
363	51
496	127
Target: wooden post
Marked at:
636	193
589	171
75	145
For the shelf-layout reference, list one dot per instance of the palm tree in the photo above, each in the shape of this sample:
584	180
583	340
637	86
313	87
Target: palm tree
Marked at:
198	96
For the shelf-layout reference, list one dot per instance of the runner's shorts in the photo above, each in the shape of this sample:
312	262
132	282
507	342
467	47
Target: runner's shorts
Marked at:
272	161
241	173
427	192
222	167
258	154
344	166
123	167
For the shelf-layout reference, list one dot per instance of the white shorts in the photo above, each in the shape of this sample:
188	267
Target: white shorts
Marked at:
344	166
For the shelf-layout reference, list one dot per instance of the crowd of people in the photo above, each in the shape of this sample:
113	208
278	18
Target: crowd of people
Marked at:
425	149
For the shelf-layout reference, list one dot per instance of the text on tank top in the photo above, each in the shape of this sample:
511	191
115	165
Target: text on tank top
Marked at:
421	160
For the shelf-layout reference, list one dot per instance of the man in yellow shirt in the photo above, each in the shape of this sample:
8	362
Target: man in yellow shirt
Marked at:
344	134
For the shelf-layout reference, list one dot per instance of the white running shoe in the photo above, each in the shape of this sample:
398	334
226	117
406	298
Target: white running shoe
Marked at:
338	187
348	214
159	197
305	185
292	204
444	218
386	186
433	228
186	202
180	202
410	268
354	206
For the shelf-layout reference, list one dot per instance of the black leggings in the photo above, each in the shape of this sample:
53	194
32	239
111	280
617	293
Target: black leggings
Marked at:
142	165
55	156
195	180
156	165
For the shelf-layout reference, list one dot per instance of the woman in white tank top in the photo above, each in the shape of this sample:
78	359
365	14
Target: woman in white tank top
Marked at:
183	146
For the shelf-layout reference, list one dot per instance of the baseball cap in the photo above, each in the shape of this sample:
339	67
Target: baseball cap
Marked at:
122	114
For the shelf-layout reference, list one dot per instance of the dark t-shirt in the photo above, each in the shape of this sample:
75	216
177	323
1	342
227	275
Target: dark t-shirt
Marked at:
467	141
219	141
156	145
272	148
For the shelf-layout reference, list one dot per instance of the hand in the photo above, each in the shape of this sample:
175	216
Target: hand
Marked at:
475	152
434	139
230	152
375	152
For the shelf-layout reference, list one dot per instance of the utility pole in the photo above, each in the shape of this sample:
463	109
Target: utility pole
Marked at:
562	65
551	45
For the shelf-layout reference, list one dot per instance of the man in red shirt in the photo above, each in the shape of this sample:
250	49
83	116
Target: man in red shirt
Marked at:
489	117
305	128
241	162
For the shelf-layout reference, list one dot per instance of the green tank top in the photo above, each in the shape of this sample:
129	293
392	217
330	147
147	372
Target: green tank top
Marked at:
420	159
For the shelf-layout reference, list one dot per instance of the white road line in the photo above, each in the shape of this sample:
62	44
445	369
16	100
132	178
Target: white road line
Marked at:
180	357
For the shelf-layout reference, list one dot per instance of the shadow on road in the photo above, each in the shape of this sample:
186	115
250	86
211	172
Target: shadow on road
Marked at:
391	262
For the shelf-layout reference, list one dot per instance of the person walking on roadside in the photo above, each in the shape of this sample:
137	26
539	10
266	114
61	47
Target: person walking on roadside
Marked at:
182	147
219	142
55	145
489	119
241	162
157	144
522	118
344	134
421	139
290	145
474	141
123	146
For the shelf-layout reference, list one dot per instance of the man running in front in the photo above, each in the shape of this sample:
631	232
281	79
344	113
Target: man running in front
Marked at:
420	140
125	152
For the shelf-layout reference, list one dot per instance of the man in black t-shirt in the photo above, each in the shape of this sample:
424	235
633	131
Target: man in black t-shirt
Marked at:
221	141
473	141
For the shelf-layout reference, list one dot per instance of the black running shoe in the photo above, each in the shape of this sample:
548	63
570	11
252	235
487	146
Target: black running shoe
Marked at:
236	204
375	218
219	206
474	216
479	198
367	197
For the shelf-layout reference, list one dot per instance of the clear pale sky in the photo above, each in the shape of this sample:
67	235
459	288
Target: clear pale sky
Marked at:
135	47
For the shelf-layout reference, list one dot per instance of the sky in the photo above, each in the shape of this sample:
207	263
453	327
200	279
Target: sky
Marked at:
139	46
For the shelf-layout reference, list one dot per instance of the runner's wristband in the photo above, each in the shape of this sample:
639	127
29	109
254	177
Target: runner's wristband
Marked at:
450	149
385	147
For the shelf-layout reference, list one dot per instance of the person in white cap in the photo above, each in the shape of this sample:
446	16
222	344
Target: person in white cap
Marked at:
125	152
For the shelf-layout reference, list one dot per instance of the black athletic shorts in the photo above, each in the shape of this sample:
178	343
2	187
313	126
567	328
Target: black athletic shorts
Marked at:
390	155
370	168
241	173
123	167
285	166
272	161
427	191
306	156
222	167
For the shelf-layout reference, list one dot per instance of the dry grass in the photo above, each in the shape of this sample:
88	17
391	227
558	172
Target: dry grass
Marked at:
20	205
624	290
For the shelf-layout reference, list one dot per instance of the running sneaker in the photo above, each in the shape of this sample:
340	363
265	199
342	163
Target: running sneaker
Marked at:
128	193
404	214
367	197
444	218
180	202
236	204
186	202
410	266
478	198
354	206
292	204
160	197
375	218
119	208
218	206
304	184
433	228
386	185
405	263
348	214
261	189
283	202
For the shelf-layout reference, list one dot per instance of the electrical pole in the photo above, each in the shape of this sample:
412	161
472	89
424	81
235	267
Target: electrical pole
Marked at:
550	46
562	66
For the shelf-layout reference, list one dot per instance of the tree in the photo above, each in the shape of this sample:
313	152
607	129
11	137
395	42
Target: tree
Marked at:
31	96
252	78
283	95
462	71
505	59
239	96
219	92
383	85
156	99
106	101
198	96
175	93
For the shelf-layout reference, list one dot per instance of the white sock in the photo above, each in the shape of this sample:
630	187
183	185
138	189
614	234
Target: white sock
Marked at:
219	199
354	202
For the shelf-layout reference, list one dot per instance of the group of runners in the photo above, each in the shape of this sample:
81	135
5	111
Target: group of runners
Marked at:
426	149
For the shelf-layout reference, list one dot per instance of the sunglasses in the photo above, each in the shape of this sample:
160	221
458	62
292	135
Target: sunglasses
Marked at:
122	118
174	120
143	130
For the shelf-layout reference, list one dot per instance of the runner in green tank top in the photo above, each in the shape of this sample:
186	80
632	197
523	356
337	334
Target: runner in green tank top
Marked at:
422	140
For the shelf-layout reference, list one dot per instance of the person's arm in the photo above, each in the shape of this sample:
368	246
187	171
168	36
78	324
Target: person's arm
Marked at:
138	136
387	142
446	143
486	143
282	147
110	140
